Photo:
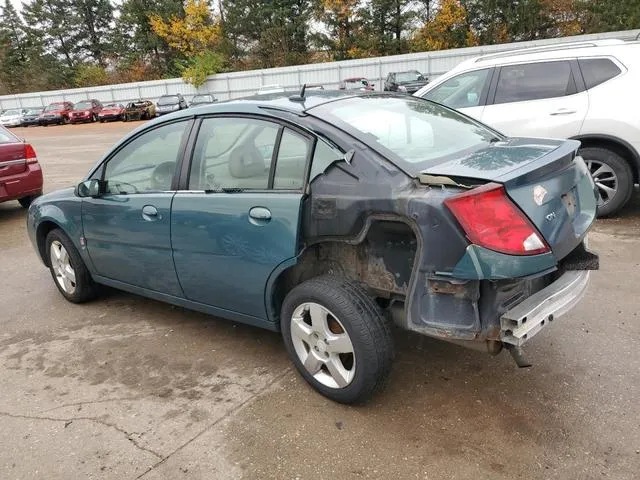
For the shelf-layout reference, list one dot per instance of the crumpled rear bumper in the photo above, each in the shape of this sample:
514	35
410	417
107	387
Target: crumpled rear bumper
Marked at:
522	322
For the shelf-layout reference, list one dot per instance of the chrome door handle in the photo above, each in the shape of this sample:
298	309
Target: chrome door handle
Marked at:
259	214
149	212
563	111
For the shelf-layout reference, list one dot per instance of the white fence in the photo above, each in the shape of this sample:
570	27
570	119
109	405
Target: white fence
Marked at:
239	84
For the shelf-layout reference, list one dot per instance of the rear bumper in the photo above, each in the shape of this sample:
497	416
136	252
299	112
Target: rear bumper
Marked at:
521	323
21	184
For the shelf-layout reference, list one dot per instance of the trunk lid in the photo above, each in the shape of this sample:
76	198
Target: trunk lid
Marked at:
12	154
545	178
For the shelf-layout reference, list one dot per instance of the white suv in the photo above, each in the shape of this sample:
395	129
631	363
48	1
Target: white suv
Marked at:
589	91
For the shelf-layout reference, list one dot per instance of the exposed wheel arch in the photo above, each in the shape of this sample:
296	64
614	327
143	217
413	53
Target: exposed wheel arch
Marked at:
617	145
386	272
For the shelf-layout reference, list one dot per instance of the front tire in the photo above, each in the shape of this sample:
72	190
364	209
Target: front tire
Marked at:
613	177
338	338
67	268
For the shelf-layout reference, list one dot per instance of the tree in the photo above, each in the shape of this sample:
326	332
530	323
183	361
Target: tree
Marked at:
197	35
13	45
448	29
343	24
94	23
601	16
52	25
266	34
387	24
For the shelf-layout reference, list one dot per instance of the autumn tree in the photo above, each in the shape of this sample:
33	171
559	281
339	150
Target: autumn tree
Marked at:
343	24
197	35
448	29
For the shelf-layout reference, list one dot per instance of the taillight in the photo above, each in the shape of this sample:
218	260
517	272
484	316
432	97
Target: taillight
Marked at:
491	220
30	154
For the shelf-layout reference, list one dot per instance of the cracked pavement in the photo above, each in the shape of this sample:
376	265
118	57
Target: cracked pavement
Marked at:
127	388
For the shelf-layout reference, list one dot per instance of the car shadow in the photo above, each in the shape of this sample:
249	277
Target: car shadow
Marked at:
11	211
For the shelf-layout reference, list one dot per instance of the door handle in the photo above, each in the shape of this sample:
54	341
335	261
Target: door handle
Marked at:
149	212
563	111
259	215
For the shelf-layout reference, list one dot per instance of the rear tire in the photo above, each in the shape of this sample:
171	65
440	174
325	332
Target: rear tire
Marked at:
67	268
326	316
613	177
26	201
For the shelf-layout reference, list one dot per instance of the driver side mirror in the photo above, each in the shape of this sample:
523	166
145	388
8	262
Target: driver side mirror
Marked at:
90	188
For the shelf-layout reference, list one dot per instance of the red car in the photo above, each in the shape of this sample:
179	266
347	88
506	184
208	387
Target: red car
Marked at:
356	83
57	113
112	111
85	111
20	173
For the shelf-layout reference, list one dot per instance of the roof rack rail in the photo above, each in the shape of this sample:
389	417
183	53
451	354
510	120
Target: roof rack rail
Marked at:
551	48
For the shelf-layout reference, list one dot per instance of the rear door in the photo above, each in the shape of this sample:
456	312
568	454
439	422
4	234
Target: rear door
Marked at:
540	99
239	219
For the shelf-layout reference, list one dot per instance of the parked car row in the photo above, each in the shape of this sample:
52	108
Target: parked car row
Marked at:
92	110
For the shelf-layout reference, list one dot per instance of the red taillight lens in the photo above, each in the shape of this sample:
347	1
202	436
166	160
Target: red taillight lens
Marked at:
491	220
30	154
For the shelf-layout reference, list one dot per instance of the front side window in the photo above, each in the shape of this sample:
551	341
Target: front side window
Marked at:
461	91
534	81
232	153
414	133
597	70
147	163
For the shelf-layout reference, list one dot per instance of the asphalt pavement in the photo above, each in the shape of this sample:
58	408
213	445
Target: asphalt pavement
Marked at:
125	387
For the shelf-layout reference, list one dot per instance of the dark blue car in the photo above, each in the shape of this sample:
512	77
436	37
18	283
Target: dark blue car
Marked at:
329	216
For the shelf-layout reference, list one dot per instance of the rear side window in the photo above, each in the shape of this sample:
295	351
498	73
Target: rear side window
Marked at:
6	136
534	81
597	70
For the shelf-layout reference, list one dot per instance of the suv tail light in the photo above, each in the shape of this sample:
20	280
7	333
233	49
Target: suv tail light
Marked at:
491	220
30	154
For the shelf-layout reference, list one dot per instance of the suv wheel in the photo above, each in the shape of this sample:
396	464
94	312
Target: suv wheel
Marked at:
69	272
338	338
613	177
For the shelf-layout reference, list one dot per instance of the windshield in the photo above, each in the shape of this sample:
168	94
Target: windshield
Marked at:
83	106
202	98
34	111
112	105
53	107
415	133
404	77
10	113
170	100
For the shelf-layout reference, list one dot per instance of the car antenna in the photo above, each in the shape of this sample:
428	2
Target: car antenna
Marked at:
300	96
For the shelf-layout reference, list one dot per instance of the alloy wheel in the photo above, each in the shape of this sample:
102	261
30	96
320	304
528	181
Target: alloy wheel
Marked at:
323	345
61	264
605	179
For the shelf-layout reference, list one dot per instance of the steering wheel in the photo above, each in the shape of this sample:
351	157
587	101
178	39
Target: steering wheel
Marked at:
162	175
117	184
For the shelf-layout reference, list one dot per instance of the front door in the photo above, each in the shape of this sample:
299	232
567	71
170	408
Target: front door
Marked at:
128	228
240	217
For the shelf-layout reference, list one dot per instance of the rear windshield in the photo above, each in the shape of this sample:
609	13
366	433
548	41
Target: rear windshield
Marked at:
404	77
54	106
413	133
6	136
170	100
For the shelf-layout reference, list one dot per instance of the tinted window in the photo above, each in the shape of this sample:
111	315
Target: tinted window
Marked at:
460	91
534	81
147	163
413	132
292	158
597	70
233	153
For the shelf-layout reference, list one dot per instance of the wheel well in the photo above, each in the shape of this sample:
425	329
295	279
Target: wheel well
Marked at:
41	234
382	259
617	146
